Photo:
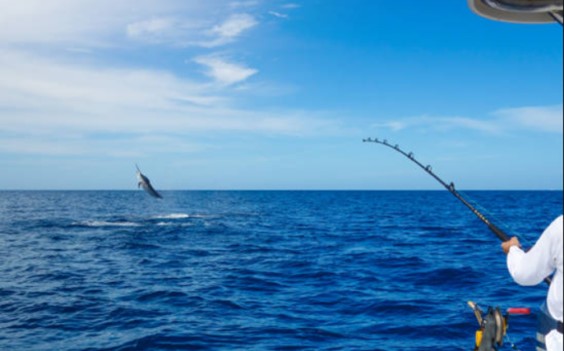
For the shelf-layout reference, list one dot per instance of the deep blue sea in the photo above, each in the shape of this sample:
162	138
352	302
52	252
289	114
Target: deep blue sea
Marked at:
260	270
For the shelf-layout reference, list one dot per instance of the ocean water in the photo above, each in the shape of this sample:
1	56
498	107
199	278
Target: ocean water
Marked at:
259	270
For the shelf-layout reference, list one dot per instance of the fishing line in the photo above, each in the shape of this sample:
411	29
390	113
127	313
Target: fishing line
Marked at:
511	343
450	187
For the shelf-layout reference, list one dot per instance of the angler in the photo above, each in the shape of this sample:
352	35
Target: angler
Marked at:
529	268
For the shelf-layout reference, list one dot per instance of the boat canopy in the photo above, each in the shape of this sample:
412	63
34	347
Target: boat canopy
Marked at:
519	11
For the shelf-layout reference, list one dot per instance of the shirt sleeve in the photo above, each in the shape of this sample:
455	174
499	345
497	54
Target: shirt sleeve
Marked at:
530	268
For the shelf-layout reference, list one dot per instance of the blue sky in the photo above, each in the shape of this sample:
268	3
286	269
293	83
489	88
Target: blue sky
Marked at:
275	95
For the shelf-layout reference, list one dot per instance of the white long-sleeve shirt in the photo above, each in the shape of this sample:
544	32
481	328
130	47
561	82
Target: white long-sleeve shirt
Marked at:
542	260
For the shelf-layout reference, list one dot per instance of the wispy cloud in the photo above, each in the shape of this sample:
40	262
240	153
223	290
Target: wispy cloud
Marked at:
158	30
112	145
33	81
235	25
225	72
229	30
239	4
285	8
54	108
278	14
438	123
150	27
107	23
90	23
290	6
191	32
546	119
540	118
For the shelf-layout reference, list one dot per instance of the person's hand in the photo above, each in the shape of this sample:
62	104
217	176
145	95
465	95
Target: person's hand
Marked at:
511	242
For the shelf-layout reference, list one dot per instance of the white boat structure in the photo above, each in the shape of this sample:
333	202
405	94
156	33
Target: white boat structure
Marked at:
519	11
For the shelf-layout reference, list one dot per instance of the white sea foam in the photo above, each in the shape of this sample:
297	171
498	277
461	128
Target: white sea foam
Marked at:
109	224
176	224
181	216
174	216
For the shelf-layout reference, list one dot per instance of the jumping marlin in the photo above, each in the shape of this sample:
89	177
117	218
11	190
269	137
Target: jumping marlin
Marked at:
146	184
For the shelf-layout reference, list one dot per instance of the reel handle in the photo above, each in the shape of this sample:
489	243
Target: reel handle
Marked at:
518	311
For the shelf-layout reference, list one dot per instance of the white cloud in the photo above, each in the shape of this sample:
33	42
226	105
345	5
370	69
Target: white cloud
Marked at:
546	119
278	14
119	147
85	23
541	118
235	25
239	4
290	6
155	27
286	7
175	31
54	108
392	125
439	123
225	72
182	31
108	23
227	31
51	82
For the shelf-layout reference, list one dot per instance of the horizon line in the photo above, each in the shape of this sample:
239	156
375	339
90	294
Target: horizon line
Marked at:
280	190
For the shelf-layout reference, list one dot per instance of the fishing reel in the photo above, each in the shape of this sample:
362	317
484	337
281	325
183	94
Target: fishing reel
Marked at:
493	327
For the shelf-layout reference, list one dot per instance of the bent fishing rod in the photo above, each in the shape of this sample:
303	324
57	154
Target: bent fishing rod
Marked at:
450	187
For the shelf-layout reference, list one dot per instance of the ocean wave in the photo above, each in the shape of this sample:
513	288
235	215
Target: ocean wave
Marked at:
174	224
173	216
107	224
183	216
